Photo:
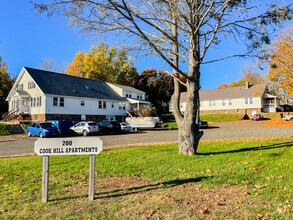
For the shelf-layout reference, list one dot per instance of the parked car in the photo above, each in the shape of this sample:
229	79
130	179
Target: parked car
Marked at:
42	129
125	127
288	117
109	126
85	128
257	117
203	124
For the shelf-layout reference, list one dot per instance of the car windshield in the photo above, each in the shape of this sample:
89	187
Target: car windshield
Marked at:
47	125
257	115
92	123
106	123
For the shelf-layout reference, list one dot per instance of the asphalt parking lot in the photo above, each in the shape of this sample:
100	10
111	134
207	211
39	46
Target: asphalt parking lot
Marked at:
21	144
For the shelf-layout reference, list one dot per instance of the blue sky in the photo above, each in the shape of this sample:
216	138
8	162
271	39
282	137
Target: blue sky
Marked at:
26	39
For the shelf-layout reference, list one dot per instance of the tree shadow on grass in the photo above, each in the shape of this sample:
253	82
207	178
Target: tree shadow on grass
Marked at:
147	188
136	190
246	149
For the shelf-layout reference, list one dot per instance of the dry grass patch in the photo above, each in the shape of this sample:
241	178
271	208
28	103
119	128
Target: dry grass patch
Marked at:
278	123
139	198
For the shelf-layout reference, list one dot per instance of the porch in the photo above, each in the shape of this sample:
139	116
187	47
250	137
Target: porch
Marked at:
138	104
19	107
270	103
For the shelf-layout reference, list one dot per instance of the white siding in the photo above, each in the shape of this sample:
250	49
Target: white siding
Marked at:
217	104
236	104
91	107
34	93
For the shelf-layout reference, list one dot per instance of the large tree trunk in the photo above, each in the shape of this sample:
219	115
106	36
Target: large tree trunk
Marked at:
188	131
188	126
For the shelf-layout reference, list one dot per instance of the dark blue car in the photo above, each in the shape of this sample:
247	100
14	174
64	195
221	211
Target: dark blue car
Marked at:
42	129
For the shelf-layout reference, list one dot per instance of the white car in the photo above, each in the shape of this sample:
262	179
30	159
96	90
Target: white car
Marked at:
85	128
288	117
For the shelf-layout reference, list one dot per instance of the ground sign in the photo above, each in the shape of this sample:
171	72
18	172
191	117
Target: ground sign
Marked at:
68	146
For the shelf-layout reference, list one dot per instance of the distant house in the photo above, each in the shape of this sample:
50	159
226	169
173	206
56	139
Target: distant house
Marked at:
247	99
44	95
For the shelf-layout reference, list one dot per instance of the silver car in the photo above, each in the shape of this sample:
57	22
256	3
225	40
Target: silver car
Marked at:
125	127
288	117
85	128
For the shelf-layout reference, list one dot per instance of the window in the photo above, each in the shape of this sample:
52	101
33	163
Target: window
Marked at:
223	102
230	101
210	103
31	85
102	104
82	102
214	111
122	106
250	101
38	101
226	111
61	103
128	94
20	86
112	104
200	104
202	111
238	110
34	102
55	101
246	101
214	102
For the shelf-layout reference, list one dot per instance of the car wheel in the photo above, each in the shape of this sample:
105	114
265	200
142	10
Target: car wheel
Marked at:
41	135
29	134
84	133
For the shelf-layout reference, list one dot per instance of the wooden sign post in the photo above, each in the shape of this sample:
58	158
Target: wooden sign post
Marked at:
68	146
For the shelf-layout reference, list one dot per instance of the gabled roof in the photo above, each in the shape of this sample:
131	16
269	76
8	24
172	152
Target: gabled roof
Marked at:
22	93
127	88
229	93
64	85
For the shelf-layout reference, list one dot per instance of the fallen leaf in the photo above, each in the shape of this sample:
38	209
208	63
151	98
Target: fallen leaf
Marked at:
259	186
204	211
238	202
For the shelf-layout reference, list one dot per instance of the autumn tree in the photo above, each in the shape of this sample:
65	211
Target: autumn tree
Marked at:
5	81
180	32
156	84
249	75
281	64
101	63
5	86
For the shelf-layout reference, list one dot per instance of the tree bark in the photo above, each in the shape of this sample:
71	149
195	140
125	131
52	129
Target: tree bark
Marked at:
188	128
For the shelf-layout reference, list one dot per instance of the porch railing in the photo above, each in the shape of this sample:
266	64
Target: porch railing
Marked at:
12	114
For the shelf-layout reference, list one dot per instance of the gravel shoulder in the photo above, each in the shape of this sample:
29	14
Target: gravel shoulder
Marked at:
21	144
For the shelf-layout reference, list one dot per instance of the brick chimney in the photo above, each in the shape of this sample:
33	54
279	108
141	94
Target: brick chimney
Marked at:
246	84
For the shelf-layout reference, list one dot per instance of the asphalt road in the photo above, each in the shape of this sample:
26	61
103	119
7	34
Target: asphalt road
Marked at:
20	144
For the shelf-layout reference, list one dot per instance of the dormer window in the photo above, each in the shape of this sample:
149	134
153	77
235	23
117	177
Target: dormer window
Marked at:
128	94
20	86
31	85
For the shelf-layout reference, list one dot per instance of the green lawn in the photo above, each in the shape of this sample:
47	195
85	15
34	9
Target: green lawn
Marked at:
3	129
221	117
205	117
240	180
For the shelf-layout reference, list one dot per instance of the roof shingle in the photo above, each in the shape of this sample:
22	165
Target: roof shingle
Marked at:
66	85
228	93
